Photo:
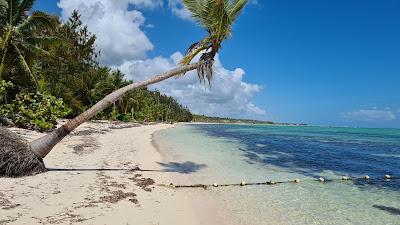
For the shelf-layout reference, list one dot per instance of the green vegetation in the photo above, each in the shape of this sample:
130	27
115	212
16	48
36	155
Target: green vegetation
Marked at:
50	70
68	69
217	18
38	111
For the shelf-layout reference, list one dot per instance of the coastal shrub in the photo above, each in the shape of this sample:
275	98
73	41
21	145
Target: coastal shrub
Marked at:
38	111
4	85
125	117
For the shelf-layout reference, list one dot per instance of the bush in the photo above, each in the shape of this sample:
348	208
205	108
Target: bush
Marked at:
38	111
4	85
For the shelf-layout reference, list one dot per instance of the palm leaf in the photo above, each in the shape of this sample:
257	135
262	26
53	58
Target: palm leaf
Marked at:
235	8
23	11
3	65
47	41
24	65
217	18
13	7
3	13
37	50
35	21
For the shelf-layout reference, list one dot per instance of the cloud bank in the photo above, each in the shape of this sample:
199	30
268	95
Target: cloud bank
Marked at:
370	115
179	10
118	29
228	95
123	45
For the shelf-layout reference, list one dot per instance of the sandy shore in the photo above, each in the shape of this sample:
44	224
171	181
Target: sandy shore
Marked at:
90	182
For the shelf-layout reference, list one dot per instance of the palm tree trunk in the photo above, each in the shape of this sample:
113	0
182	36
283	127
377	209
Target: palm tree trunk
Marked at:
42	146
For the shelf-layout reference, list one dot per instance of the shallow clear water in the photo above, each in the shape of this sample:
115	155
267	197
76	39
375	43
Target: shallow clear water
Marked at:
235	153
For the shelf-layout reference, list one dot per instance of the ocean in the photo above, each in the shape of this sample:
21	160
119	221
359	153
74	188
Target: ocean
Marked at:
259	153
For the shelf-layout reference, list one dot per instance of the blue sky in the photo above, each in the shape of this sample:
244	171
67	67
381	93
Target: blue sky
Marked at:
318	62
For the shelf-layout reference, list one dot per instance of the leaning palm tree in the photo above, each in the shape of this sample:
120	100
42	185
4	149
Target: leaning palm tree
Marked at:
18	34
216	16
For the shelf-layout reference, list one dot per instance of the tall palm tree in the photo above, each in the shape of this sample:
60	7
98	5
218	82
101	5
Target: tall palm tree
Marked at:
216	16
18	31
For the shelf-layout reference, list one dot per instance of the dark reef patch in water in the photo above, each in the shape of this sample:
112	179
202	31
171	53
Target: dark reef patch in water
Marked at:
312	150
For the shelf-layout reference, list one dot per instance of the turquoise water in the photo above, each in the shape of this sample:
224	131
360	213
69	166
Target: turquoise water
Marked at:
235	153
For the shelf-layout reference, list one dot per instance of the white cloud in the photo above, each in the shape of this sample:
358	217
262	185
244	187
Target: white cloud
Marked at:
228	95
123	44
370	115
179	10
117	28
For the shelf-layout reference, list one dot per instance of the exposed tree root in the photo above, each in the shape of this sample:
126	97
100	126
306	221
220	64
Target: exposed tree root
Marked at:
16	157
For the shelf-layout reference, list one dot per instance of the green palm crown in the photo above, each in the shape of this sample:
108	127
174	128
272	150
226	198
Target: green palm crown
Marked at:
217	18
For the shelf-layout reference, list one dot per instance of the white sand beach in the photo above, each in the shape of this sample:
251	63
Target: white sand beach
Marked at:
89	182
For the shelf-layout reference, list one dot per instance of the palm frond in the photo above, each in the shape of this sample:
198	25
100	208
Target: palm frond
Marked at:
35	21
3	64
46	41
217	18
235	8
24	65
205	70
195	49
23	11
37	50
13	7
3	13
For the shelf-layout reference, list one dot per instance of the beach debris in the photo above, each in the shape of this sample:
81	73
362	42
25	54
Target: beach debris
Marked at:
387	176
366	177
271	182
242	183
297	180
215	185
345	178
321	179
142	182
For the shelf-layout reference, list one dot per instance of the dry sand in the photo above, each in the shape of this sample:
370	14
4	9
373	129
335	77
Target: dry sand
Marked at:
90	182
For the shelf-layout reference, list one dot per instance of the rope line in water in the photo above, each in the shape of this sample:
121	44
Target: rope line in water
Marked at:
321	180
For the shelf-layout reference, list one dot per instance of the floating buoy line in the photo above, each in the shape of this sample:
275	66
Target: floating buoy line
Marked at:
386	177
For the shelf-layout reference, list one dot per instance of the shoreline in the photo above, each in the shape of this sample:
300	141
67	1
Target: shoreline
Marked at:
90	181
207	209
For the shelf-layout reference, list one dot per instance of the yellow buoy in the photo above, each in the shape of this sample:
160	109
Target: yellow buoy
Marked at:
215	185
242	183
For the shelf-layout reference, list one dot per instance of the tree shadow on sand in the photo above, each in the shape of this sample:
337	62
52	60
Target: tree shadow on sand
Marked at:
391	210
185	167
170	167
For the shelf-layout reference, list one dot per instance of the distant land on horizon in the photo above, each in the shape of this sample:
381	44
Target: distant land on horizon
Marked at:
226	120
